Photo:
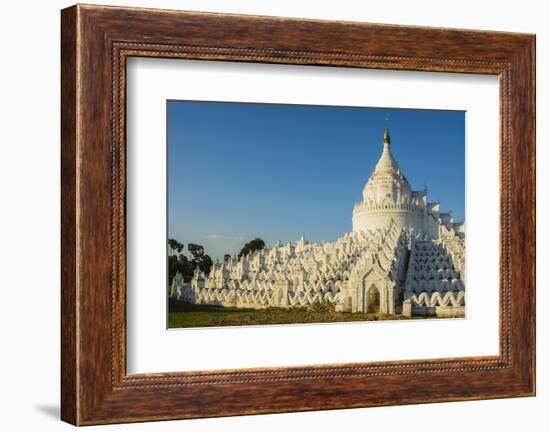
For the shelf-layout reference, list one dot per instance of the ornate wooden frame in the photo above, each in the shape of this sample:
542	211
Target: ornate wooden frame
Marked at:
95	43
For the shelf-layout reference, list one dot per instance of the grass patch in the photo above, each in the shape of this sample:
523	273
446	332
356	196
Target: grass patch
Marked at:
183	315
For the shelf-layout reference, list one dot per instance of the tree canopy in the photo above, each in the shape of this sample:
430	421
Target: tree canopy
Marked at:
200	258
197	258
178	262
253	245
176	247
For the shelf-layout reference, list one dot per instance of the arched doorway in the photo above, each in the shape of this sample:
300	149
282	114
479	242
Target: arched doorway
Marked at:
373	299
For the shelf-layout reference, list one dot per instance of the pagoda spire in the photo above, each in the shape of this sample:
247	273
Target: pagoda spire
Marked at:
386	164
387	139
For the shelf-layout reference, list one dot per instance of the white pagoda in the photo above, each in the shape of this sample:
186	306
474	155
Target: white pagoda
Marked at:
402	256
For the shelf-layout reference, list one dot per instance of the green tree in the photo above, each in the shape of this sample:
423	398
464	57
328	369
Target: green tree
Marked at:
254	245
175	246
178	262
185	267
196	250
200	258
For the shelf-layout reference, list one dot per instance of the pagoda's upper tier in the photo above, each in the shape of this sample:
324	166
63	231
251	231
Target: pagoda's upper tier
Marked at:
387	183
386	164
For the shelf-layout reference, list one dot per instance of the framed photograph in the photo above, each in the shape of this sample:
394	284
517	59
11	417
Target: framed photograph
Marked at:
322	214
400	257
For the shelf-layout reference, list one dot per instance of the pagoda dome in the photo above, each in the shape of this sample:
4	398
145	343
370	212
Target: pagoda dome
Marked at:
387	195
386	181
386	164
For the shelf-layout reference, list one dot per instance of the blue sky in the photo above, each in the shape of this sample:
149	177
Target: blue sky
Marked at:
237	171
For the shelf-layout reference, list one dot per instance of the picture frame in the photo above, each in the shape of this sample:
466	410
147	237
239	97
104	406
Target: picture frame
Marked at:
96	42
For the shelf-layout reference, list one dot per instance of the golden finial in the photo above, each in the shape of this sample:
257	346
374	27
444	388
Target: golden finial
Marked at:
386	136
386	130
